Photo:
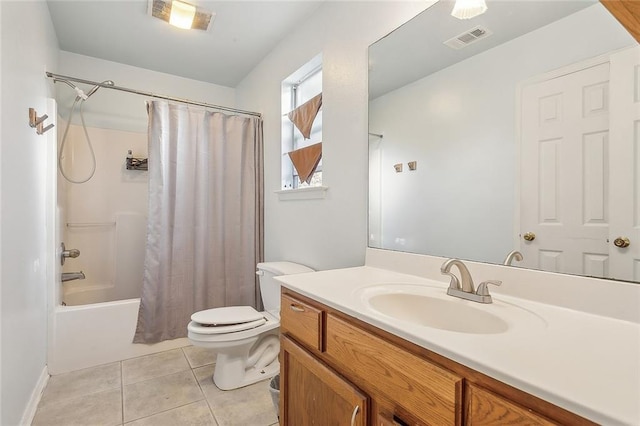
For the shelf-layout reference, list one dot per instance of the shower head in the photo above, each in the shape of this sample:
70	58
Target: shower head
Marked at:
96	87
67	82
79	93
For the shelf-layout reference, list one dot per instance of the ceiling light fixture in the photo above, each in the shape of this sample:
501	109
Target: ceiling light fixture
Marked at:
181	14
467	9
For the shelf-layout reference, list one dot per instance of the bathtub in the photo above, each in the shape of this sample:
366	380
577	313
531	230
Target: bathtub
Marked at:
111	239
88	335
77	293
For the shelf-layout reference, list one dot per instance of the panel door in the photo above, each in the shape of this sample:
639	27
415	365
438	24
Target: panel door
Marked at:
313	394
565	173
625	163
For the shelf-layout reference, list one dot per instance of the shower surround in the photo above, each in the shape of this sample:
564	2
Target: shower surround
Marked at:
104	218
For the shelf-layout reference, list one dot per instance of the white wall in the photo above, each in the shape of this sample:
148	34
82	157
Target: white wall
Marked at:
29	45
331	232
126	111
461	130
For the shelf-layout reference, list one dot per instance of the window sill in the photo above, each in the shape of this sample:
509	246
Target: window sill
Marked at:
309	193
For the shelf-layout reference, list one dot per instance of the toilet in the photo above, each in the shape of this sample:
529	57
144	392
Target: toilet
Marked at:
247	341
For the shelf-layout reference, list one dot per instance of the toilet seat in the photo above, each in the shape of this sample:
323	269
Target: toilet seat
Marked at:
224	329
229	319
203	335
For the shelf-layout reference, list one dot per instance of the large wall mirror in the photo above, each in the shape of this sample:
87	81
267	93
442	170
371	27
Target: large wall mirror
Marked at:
518	129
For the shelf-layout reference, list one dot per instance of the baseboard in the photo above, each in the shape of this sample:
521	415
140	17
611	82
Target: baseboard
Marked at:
32	406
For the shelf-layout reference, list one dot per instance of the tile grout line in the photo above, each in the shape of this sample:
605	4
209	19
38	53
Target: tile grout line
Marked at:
215	419
180	406
68	399
120	368
154	354
186	357
202	396
156	377
206	400
167	410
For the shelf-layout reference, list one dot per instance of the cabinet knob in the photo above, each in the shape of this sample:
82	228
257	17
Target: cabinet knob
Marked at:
622	242
529	236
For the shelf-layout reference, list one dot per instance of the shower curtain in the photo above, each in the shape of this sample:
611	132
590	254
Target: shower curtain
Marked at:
205	224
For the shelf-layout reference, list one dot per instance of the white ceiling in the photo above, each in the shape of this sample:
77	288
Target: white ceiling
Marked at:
416	49
242	34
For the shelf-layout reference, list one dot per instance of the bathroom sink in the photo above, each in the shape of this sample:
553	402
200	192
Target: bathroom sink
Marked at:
437	313
431	307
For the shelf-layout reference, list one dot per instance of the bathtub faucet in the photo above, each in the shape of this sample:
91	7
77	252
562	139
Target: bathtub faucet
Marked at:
70	276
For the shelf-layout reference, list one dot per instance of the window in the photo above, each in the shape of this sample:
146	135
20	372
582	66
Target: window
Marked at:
297	89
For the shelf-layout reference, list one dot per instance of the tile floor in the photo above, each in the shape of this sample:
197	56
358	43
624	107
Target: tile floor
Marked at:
168	388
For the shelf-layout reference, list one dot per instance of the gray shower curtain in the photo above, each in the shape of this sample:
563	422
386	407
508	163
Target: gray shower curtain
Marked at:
205	224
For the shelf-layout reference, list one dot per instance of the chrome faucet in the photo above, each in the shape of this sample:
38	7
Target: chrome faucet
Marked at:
464	288
515	254
70	276
465	276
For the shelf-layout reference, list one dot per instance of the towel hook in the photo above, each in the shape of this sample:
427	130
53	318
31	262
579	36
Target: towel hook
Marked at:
38	122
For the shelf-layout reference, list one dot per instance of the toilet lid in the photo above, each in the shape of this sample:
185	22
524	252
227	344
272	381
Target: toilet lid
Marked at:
227	316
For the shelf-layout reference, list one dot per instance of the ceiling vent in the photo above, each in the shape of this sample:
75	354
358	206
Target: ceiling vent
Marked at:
161	9
468	37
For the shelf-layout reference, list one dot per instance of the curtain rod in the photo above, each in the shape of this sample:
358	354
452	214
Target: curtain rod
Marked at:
58	77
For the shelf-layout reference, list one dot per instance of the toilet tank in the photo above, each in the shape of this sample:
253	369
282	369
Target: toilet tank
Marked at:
270	288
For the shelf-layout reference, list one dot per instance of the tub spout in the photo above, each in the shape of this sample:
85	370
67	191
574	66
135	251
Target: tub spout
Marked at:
69	276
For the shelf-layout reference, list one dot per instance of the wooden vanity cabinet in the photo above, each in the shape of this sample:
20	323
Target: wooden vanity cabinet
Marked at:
331	363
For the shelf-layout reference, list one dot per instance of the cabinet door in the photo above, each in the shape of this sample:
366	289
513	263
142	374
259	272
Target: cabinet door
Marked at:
313	394
486	408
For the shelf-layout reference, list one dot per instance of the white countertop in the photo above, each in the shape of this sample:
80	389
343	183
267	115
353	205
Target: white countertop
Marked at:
585	363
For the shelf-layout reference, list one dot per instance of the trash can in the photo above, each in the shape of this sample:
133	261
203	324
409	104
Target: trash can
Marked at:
274	390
